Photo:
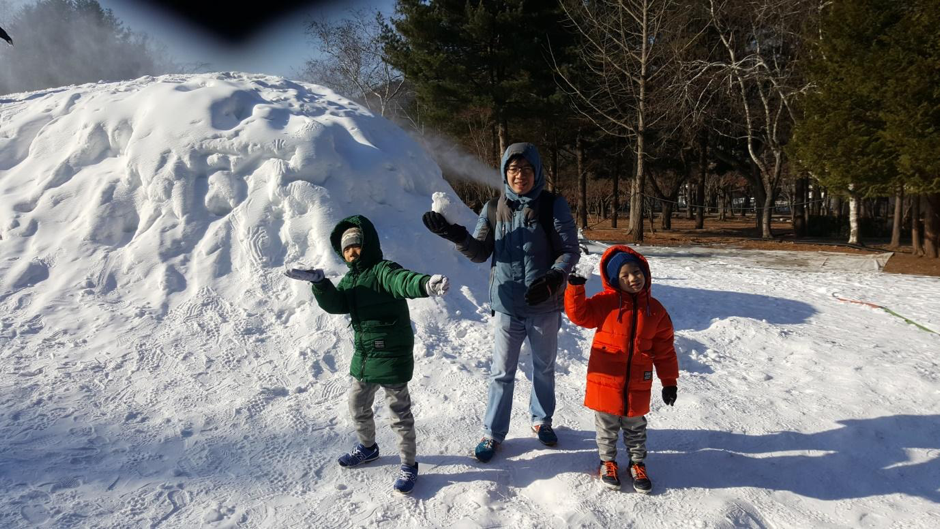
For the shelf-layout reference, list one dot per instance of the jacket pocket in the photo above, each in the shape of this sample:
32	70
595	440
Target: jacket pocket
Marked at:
386	337
607	366
608	343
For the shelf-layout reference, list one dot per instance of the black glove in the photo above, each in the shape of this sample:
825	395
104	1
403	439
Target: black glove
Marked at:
439	226
542	288
575	279
669	395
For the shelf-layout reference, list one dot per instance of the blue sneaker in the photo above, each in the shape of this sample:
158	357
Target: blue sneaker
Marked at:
359	455
546	435
485	450
407	477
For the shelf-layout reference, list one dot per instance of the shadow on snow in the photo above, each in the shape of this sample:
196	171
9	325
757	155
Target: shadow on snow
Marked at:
897	454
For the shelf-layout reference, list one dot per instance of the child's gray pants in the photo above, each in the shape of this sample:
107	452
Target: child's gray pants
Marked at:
361	397
608	429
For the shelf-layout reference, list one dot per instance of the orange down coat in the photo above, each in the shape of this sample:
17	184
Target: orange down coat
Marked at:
634	334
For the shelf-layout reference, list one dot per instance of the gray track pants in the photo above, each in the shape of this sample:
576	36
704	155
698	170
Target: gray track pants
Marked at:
608	429
361	397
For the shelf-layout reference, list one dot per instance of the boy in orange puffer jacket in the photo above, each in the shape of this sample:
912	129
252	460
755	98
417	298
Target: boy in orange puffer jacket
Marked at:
634	334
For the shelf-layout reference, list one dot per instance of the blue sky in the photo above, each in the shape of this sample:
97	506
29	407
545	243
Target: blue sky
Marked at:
279	49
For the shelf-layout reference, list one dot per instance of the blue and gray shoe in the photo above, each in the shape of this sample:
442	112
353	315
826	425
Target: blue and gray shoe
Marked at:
485	450
359	455
407	477
546	435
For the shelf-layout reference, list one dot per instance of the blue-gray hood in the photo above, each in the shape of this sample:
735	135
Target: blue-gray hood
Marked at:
530	153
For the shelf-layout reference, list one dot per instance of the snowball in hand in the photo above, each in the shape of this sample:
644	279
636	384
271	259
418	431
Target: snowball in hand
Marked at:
444	204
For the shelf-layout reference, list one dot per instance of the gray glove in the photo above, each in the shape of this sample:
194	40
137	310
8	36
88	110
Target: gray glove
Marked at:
437	285
314	276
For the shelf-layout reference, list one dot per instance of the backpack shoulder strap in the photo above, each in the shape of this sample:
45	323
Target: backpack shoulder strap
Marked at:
547	219
491	206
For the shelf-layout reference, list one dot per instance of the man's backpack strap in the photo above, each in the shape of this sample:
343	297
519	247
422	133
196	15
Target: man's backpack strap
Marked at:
491	208
547	220
546	216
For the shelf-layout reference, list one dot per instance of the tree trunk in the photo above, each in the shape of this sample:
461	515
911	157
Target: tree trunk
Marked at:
791	203
916	231
616	197
806	203
503	132
853	216
700	184
768	212
898	214
667	216
760	198
636	201
798	209
814	197
582	182
932	226
652	216
689	200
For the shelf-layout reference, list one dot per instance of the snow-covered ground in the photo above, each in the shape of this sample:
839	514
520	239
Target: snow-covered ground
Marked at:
157	369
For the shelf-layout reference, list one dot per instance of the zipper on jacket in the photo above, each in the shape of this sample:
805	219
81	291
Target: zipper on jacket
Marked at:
626	384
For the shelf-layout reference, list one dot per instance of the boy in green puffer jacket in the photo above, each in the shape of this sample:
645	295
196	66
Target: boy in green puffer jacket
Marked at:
374	294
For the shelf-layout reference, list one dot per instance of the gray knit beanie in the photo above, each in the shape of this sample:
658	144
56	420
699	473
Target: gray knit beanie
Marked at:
351	237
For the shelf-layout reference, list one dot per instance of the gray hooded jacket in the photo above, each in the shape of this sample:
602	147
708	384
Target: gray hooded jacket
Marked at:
523	251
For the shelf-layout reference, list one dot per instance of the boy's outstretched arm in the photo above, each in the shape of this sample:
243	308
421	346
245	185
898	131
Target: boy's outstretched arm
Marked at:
581	310
399	282
330	299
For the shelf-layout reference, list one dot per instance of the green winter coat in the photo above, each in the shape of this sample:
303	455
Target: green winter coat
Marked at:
373	293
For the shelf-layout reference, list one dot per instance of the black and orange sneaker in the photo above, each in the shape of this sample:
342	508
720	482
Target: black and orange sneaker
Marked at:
641	482
608	473
545	434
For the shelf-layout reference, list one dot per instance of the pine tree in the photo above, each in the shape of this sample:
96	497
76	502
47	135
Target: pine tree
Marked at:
841	138
873	122
911	109
491	55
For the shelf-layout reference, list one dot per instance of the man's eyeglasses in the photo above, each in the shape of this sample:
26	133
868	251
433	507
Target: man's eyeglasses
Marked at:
517	170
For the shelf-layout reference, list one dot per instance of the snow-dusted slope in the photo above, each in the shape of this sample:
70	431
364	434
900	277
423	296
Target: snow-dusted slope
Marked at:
157	370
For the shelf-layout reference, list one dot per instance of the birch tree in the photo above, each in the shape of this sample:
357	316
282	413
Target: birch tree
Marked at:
760	71
626	62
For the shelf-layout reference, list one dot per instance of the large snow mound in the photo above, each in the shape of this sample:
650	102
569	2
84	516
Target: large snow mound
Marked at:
144	190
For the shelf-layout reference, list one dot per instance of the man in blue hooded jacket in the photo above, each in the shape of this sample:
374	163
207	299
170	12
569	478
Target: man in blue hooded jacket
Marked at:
527	283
